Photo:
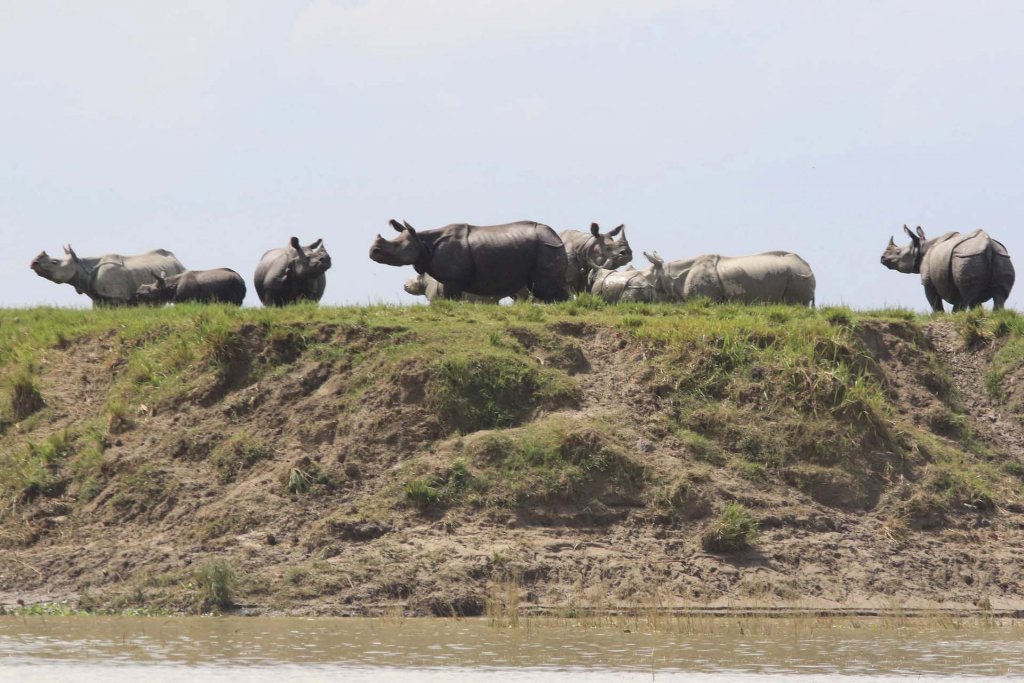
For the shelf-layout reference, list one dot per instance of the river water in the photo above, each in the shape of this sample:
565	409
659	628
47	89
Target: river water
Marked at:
280	650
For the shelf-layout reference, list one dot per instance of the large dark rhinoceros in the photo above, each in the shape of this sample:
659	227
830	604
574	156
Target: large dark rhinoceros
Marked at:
294	273
109	280
492	261
772	277
588	251
616	286
965	270
219	285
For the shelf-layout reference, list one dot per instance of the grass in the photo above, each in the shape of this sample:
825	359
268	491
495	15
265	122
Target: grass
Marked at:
448	413
216	585
235	455
734	530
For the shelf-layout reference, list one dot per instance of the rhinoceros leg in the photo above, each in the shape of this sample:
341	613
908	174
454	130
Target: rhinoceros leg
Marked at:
934	299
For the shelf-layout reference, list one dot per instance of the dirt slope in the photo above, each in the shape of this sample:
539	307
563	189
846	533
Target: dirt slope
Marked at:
319	467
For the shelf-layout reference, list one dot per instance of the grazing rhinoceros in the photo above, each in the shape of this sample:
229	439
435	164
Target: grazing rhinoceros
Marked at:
492	261
294	273
109	280
965	270
424	285
220	285
772	277
586	252
624	285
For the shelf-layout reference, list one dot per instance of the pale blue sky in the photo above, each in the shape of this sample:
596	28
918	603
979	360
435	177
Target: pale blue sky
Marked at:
219	128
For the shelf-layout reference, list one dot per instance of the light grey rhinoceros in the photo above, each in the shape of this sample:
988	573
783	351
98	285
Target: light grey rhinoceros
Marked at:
491	260
424	285
965	270
109	280
624	285
586	252
294	273
772	277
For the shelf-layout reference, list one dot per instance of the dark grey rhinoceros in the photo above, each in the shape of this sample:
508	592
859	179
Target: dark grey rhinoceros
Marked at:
624	285
492	261
965	270
219	285
772	277
109	280
586	252
294	273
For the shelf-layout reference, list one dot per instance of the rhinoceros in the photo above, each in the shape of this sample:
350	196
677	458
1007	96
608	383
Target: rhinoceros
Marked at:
586	252
624	285
492	261
220	285
424	285
771	277
294	273
965	270
109	280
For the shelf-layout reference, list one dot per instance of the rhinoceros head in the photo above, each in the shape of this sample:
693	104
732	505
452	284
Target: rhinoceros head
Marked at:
417	286
154	292
58	270
604	251
904	259
310	261
404	250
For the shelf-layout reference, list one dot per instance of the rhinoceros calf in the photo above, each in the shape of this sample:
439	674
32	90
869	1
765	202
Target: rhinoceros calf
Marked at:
492	261
772	277
294	273
109	280
616	286
426	286
219	285
965	270
587	252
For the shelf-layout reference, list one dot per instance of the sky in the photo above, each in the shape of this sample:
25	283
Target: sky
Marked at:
220	128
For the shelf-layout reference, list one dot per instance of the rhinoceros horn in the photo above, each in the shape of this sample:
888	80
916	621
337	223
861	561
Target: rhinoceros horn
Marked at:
71	252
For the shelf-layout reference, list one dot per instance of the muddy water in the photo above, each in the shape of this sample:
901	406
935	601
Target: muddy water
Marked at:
129	650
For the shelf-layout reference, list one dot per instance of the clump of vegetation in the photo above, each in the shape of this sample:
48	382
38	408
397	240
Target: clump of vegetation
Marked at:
553	458
25	396
34	470
444	489
232	457
309	477
492	390
216	583
734	530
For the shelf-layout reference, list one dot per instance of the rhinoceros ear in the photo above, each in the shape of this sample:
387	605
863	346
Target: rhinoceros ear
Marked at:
396	225
412	231
654	259
594	229
294	242
619	229
71	252
920	233
913	238
316	245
